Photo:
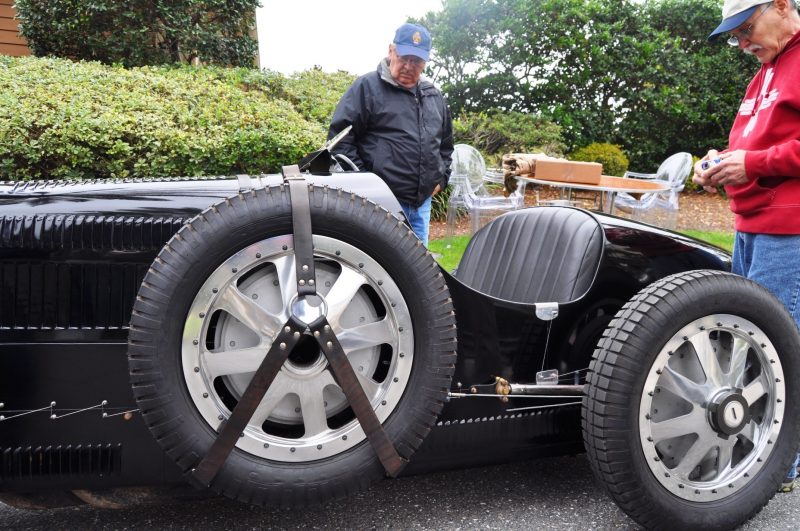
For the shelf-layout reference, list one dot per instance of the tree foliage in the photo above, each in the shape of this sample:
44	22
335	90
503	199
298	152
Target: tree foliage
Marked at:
637	74
141	32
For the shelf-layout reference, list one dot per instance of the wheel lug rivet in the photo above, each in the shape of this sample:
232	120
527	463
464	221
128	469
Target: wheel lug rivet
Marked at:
285	247
266	445
380	282
383	402
197	369
647	416
234	270
258	255
241	435
396	379
195	342
713	491
772	361
666	474
777	380
730	486
779	400
202	315
293	450
319	447
400	329
205	395
360	265
686	338
402	355
751	333
697	491
214	290
656	459
777	421
344	437
702	328
747	474
219	417
651	393
736	326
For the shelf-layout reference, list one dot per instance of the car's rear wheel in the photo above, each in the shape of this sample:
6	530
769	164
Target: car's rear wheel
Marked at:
220	291
691	413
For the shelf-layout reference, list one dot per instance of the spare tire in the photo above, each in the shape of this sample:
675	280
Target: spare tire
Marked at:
692	409
212	302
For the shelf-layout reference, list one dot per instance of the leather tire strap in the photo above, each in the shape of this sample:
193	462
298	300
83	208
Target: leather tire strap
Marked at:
230	430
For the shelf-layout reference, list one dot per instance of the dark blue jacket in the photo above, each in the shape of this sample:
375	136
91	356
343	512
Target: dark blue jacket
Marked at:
405	136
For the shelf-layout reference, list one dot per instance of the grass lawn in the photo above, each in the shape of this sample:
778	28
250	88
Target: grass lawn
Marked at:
448	251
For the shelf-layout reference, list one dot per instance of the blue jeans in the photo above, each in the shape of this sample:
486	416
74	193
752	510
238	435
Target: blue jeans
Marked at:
771	260
419	218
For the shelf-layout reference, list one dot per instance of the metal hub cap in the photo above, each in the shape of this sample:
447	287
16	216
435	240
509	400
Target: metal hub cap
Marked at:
235	316
730	413
712	407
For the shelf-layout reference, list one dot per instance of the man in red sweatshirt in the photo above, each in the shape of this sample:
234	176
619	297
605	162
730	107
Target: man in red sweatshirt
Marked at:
760	169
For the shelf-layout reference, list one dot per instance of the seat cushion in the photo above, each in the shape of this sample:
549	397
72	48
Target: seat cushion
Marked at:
543	254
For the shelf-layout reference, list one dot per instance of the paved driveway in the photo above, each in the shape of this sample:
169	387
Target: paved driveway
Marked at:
544	494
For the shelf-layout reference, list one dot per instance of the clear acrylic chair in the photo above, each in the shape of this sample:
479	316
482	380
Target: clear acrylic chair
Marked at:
469	178
658	208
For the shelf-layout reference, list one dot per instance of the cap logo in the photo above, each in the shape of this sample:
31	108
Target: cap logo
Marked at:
416	38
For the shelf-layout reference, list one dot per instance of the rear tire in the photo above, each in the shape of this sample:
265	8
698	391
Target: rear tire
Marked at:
691	416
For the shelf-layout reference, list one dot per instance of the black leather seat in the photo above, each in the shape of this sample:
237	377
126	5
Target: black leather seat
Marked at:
543	254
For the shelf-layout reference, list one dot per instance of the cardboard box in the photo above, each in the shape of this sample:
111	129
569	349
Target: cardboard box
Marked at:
568	171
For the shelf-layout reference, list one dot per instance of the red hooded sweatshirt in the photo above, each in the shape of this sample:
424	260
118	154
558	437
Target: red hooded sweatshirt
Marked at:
768	128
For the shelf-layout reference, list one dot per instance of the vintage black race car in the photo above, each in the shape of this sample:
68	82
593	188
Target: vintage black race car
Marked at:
289	342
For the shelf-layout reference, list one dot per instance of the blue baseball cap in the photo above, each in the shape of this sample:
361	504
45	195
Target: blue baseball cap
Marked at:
413	39
734	14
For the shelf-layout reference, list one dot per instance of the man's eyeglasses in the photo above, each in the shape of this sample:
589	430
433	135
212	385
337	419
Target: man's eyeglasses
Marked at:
410	60
747	31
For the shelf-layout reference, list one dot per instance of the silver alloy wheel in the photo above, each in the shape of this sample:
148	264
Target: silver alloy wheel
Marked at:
712	407
304	415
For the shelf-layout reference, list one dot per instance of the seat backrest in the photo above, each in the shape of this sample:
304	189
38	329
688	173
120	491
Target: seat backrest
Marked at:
675	169
468	163
542	254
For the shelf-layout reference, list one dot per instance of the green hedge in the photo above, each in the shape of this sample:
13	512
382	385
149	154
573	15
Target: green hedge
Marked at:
61	119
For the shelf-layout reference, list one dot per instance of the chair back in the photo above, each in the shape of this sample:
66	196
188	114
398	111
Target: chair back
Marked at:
469	167
675	169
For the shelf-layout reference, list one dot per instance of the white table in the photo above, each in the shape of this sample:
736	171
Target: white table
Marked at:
608	183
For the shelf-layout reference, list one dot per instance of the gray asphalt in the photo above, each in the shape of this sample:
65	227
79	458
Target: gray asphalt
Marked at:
558	493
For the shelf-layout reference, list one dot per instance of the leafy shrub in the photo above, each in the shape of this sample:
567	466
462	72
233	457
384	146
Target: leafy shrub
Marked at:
610	156
495	134
60	119
141	32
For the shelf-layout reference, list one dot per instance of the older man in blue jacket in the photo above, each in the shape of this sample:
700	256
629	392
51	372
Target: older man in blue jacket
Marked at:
402	129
